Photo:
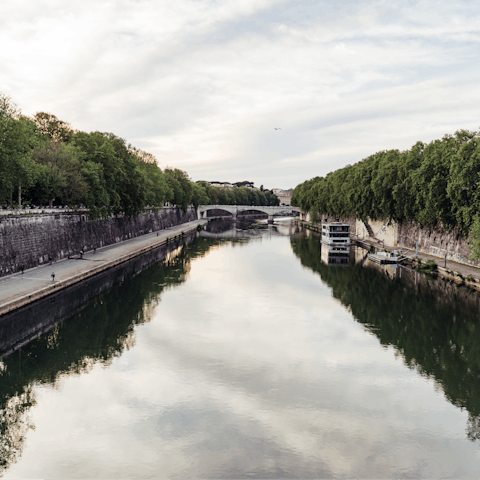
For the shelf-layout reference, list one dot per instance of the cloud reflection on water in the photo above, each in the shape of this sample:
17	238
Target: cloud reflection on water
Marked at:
262	374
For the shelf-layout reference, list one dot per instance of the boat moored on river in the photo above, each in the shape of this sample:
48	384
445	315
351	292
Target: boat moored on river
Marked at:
387	258
336	234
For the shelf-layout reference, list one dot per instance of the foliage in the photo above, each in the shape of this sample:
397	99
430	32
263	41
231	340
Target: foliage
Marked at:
429	267
234	196
59	174
157	189
53	128
181	186
17	139
435	184
44	159
474	239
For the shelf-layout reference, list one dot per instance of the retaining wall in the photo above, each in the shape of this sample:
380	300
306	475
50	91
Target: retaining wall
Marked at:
381	230
31	240
436	241
21	326
433	241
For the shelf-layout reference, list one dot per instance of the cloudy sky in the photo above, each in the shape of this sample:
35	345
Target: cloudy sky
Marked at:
201	84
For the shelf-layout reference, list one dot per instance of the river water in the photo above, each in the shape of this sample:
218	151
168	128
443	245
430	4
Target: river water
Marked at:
246	356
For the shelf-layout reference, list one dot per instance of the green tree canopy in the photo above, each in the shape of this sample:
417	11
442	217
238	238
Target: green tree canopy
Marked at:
46	160
60	174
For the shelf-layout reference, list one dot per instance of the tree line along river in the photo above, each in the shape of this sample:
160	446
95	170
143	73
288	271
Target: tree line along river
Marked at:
249	357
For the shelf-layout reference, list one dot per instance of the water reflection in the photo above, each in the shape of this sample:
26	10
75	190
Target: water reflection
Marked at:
432	323
232	360
248	228
100	331
332	255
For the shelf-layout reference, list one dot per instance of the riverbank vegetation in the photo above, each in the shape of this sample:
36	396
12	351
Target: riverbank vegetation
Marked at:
44	161
431	184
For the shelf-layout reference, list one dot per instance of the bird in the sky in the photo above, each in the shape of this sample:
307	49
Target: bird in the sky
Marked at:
275	128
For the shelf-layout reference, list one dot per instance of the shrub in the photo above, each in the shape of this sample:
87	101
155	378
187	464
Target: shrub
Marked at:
431	264
428	267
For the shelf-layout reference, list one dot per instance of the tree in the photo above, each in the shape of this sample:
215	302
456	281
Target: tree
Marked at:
60	173
96	197
50	126
474	239
199	195
404	193
17	139
182	187
429	182
123	178
157	189
463	180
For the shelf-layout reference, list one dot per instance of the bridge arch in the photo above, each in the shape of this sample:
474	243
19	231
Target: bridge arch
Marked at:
235	209
221	208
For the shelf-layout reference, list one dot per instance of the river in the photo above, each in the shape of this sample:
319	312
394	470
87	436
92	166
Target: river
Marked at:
244	355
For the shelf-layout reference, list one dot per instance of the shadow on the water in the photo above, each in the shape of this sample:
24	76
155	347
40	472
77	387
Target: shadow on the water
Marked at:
247	228
70	332
21	326
432	324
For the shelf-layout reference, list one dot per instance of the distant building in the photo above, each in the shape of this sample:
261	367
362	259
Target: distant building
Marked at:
220	184
231	185
285	196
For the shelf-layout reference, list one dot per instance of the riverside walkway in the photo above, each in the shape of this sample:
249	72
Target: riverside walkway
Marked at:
457	271
20	289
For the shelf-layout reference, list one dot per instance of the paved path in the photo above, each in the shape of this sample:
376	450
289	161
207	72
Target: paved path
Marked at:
20	289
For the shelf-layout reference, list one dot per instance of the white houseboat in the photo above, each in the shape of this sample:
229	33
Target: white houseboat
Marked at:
336	243
336	234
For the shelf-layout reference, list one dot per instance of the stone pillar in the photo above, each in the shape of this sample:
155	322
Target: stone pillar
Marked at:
270	218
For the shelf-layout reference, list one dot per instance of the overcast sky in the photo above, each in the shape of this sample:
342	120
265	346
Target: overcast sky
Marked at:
202	84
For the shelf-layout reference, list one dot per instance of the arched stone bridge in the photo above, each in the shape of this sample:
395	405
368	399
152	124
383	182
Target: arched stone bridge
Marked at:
236	209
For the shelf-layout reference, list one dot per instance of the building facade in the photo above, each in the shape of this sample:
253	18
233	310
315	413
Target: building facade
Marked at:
285	196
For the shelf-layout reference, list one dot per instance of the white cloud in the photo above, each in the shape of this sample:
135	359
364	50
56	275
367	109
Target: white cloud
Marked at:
202	84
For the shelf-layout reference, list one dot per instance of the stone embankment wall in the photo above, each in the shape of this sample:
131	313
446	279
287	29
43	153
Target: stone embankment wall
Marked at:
432	241
21	326
31	240
381	230
436	241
